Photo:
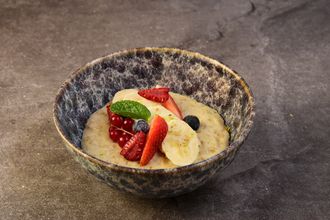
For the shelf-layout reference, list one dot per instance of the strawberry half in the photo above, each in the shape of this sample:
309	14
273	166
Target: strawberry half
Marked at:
155	138
173	107
133	148
155	94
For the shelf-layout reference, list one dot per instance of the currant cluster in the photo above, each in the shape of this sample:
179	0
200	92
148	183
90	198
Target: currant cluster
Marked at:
120	130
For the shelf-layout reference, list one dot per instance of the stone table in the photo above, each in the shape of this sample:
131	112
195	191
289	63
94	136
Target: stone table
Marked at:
281	48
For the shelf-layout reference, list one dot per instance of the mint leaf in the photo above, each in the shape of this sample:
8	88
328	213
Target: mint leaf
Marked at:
131	109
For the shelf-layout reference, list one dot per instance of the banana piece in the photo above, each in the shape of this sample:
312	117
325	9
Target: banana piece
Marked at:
181	144
132	94
120	95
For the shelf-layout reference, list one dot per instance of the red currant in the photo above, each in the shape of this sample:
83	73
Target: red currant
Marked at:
126	135
124	138
128	124
114	134
122	141
116	120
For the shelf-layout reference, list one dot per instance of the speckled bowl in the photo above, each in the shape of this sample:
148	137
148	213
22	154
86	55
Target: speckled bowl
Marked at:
192	74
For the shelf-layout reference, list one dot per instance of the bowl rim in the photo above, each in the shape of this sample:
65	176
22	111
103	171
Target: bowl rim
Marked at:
195	166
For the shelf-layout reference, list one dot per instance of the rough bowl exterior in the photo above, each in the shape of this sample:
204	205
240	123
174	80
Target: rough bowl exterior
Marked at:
192	74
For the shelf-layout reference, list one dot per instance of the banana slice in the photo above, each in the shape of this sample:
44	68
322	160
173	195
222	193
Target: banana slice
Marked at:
181	144
132	94
120	95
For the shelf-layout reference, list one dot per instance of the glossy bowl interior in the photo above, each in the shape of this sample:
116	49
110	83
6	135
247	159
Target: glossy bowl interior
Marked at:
188	73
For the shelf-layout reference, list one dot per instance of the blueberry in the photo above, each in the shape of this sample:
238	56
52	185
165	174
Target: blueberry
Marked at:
192	121
141	125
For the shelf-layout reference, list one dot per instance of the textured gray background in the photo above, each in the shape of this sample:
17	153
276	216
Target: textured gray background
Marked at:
281	48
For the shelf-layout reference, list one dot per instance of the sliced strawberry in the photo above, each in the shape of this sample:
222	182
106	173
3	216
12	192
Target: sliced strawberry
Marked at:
173	107
133	148
156	135
155	94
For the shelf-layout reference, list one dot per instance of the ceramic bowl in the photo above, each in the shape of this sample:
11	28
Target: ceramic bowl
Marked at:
188	73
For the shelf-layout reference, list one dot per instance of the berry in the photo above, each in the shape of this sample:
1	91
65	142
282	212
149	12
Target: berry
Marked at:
128	124
116	120
122	141
141	125
126	135
134	147
157	134
192	121
124	138
173	107
115	134
156	94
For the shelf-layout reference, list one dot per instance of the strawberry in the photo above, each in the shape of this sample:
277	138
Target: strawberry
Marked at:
173	107
156	135
155	94
133	148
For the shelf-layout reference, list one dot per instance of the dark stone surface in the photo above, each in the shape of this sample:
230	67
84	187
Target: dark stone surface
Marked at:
281	48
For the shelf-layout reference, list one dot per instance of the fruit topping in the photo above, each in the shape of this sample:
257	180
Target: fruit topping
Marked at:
134	147
127	135
122	141
192	121
115	133
181	145
124	138
173	107
130	109
116	120
141	125
155	94
156	135
128	124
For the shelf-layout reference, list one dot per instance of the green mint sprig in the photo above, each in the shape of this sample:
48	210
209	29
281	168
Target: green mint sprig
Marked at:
130	109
